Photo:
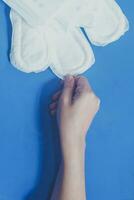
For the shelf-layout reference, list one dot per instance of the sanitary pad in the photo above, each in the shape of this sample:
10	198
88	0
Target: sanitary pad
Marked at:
109	23
58	42
35	12
34	49
103	20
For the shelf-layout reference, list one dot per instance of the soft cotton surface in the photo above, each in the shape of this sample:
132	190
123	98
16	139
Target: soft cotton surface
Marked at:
35	12
58	41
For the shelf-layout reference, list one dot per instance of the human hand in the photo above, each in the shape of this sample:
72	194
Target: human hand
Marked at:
75	106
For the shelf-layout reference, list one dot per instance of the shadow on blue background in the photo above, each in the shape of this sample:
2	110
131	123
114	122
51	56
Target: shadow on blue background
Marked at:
29	146
43	141
49	148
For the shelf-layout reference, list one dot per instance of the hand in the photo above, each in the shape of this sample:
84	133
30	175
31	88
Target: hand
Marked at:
76	106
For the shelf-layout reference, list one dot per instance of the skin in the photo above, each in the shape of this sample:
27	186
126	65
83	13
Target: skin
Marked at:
75	107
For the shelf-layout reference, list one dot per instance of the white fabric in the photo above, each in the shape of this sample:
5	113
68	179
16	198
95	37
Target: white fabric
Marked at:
103	20
29	49
69	51
34	49
59	42
109	24
35	12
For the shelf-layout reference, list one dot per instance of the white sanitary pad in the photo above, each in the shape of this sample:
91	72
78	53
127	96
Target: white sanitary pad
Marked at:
109	23
29	48
34	49
59	42
103	20
35	12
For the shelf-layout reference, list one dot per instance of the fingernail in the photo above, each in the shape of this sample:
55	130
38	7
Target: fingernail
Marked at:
68	78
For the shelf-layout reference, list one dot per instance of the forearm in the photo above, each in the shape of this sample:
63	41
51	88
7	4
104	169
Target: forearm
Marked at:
71	179
76	108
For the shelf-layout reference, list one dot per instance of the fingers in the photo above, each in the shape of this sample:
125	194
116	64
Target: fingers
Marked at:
66	94
54	104
68	89
81	87
73	87
56	96
53	107
82	83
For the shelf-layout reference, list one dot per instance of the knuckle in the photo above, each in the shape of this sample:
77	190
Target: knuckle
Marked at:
91	94
98	103
82	78
94	98
87	91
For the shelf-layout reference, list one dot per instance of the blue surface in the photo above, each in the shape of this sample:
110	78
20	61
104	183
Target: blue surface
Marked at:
29	152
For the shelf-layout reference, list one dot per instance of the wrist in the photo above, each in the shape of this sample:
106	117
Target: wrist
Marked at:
73	152
73	162
73	137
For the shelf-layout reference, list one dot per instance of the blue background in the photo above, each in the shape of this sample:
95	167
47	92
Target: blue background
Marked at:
29	153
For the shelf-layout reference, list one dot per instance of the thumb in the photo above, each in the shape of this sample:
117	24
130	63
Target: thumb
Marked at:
68	89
